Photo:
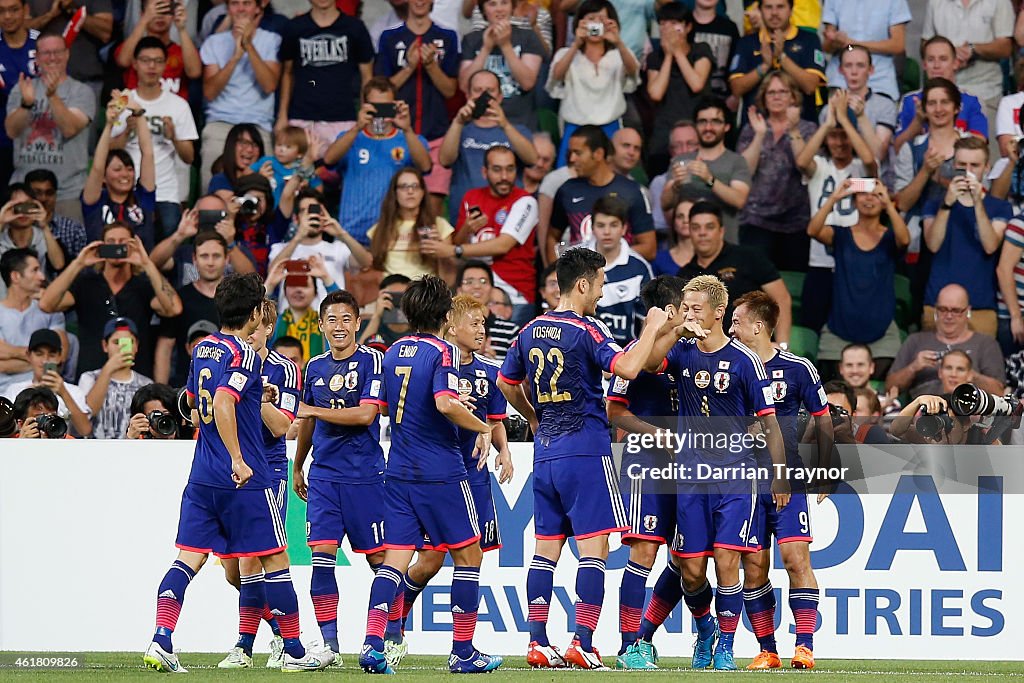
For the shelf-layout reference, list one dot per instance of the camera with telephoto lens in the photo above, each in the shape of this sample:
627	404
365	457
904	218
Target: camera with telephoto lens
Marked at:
53	426
933	425
248	205
162	423
8	425
968	399
838	413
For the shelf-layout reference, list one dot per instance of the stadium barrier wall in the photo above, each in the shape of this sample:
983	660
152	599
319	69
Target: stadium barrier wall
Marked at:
87	529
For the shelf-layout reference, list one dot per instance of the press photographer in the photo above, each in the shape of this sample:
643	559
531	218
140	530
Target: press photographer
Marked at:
35	412
155	415
969	416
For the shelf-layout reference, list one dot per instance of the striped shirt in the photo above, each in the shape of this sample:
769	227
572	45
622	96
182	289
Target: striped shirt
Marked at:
502	333
1014	235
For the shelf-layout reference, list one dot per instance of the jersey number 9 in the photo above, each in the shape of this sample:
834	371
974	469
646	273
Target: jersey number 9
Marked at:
557	360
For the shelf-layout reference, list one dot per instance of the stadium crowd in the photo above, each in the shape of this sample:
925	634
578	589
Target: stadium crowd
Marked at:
870	187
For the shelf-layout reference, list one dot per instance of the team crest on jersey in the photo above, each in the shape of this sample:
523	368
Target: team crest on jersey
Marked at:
397	153
778	390
465	387
482	386
702	379
336	383
650	522
352	380
721	381
500	217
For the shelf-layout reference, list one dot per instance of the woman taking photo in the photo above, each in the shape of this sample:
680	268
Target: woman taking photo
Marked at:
405	219
679	251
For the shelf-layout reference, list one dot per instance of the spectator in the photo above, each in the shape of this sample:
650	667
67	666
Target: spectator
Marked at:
468	138
531	15
252	222
1008	122
965	232
677	74
218	20
326	57
842	396
387	324
823	173
181	64
476	279
954	368
103	288
496	224
397	14
712	172
210	260
339	255
512	53
679	250
369	154
109	390
534	174
982	33
625	271
741	269
549	187
1010	277
879	26
627	150
111	193
47	117
778	46
20	315
173	130
299	318
293	156
874	112
290	348
775	215
44	357
863	302
421	59
938	55
682	139
53	18
17	56
240	77
396	239
590	155
719	32
243	146
593	74
856	365
868	406
500	304
22	227
31	404
549	288
70	234
153	398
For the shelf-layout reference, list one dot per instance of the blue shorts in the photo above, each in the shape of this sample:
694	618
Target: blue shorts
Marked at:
429	516
652	516
335	510
281	495
577	496
790	524
710	516
243	522
487	518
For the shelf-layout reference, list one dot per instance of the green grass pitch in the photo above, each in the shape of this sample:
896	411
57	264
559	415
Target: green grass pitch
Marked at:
123	666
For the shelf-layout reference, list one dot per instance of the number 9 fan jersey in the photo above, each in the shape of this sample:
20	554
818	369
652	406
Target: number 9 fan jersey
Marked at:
223	362
563	356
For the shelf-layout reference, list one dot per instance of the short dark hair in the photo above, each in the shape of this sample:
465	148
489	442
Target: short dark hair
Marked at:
378	84
575	264
32	397
709	208
838	386
594	138
609	205
237	298
663	291
17	187
854	346
426	303
851	48
938	39
41	175
711	102
761	306
209	236
591	6
339	297
309	193
952	91
674	11
15	261
149	43
470	265
497	147
287	341
155	392
395	279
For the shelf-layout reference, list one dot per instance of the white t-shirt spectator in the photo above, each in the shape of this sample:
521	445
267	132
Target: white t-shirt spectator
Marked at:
826	179
76	393
336	258
164	155
16	328
112	420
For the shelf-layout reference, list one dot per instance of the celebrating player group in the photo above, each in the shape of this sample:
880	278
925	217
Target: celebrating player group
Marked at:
431	496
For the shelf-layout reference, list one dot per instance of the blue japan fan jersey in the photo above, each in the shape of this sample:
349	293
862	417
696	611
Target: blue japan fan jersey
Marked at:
424	443
282	373
346	454
478	379
563	355
222	362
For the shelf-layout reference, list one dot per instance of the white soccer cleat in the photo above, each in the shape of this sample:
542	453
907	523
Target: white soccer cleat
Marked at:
236	659
394	653
276	658
313	660
165	662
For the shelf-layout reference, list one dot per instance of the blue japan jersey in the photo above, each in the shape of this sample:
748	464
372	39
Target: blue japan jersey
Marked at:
346	454
424	443
650	395
478	379
222	362
282	373
794	381
718	392
564	355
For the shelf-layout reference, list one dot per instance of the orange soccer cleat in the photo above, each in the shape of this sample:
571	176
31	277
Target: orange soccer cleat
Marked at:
581	659
766	660
544	657
803	658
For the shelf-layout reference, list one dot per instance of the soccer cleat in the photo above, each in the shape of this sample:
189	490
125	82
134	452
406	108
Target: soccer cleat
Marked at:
766	660
581	659
394	653
803	658
648	650
703	649
633	658
373	661
276	658
236	659
159	659
476	663
544	656
313	660
724	661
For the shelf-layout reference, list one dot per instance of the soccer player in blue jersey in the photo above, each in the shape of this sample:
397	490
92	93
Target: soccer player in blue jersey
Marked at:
341	421
651	512
228	506
246	573
478	389
794	381
428	491
721	383
563	353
